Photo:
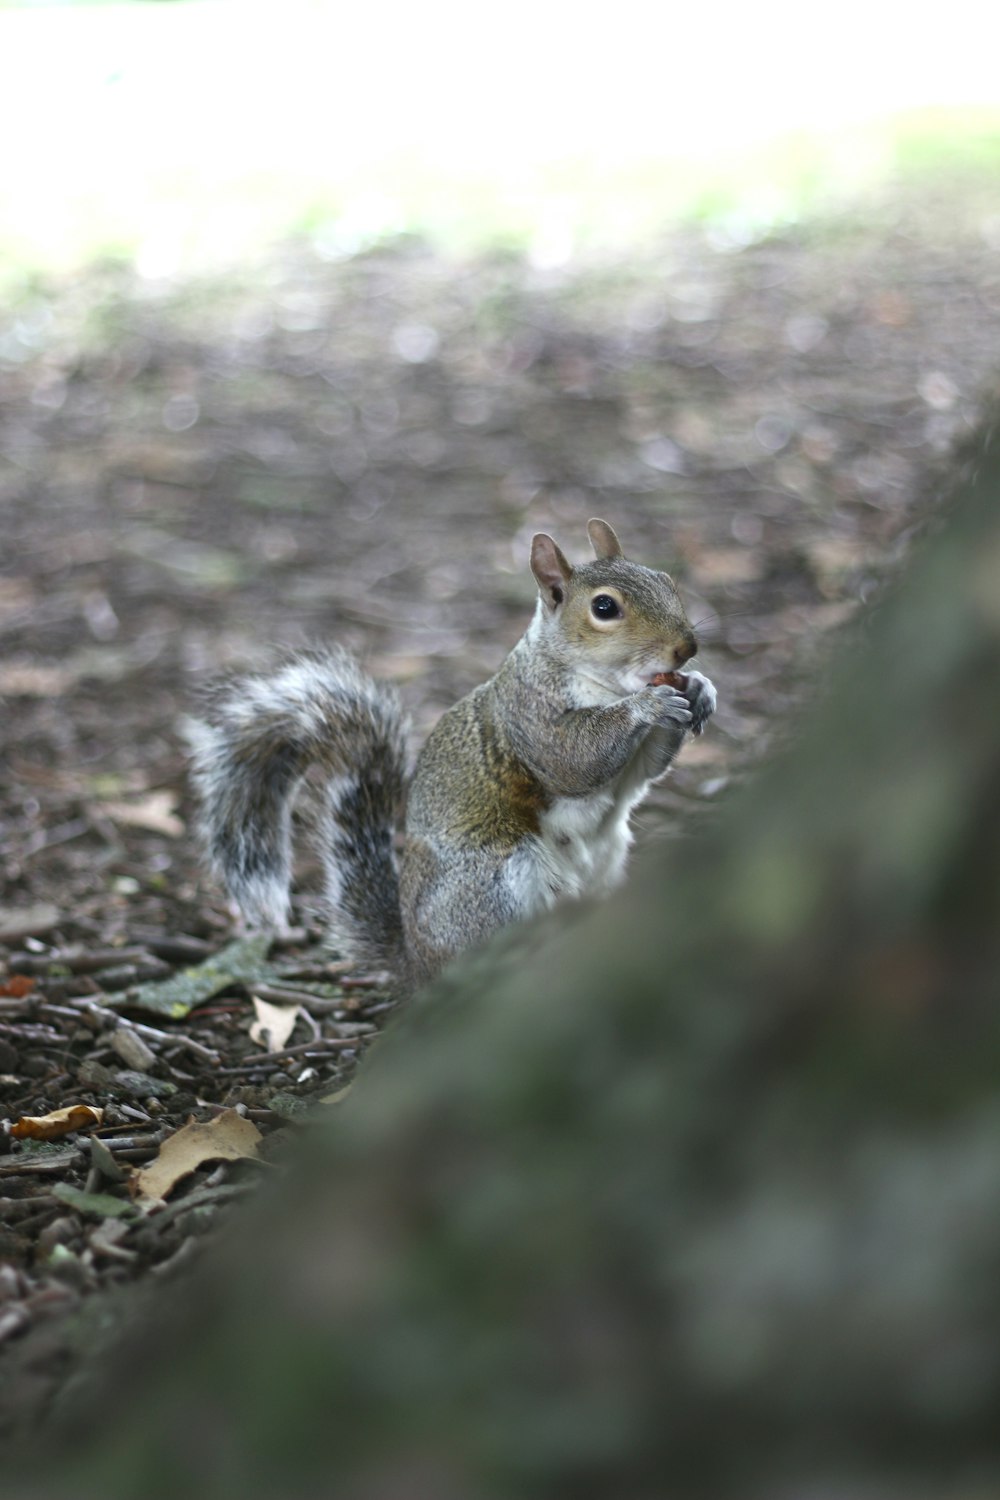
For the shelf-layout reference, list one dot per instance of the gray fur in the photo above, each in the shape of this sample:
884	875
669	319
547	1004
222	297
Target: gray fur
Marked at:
248	758
521	795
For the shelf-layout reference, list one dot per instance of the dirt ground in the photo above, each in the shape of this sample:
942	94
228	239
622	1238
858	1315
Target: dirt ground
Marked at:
192	476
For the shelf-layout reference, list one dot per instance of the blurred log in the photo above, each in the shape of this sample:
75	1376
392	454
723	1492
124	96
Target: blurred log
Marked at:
697	1192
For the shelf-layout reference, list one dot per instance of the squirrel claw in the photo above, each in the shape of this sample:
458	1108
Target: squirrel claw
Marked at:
702	697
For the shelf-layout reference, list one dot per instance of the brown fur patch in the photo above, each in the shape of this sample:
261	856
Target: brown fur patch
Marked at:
525	802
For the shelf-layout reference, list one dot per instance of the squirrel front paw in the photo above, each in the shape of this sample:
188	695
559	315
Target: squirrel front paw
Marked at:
664	706
702	698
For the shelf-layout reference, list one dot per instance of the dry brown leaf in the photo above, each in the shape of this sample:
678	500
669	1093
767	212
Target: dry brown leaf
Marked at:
59	1123
274	1024
229	1137
17	986
157	812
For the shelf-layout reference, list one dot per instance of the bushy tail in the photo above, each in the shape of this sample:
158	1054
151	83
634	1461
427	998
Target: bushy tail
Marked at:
248	757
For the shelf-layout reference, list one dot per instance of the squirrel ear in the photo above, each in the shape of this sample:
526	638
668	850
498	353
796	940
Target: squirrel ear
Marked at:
603	539
552	571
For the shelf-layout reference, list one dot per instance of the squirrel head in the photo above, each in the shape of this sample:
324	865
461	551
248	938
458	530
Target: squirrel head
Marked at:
614	617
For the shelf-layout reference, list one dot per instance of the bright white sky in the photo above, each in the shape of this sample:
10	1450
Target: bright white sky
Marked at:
199	127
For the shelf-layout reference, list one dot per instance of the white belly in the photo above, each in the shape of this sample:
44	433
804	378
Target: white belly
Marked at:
581	850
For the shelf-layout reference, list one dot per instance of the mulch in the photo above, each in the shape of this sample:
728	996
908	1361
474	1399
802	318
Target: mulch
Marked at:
194	475
82	1035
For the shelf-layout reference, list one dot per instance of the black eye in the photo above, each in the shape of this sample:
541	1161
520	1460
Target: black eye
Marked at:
603	607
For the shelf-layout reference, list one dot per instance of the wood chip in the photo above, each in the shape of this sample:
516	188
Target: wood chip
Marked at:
32	921
132	1050
51	1163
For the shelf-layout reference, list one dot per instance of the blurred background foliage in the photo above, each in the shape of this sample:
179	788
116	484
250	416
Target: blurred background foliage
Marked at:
187	135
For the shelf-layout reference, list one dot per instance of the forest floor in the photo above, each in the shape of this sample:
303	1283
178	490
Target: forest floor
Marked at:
359	450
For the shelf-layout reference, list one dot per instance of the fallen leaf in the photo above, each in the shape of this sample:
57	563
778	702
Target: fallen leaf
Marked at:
179	994
103	1159
100	1205
274	1024
17	986
229	1137
59	1123
157	812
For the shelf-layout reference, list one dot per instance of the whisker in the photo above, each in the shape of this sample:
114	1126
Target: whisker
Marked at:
718	618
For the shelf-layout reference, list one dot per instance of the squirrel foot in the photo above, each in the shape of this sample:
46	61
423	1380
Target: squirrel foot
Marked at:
702	697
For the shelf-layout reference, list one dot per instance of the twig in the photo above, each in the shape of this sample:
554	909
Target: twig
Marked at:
311	1022
87	1006
76	960
324	972
17	1166
33	1033
48	838
62	1012
377	1010
132	1142
23	1208
177	1039
178	948
307	1049
280	994
197	1199
21	1007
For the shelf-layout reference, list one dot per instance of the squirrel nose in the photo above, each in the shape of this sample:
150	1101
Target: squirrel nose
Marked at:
685	650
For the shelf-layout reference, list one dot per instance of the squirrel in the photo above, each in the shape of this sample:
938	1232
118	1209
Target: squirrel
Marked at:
520	797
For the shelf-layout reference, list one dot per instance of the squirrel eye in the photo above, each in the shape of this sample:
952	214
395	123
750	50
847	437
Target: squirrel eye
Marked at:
603	607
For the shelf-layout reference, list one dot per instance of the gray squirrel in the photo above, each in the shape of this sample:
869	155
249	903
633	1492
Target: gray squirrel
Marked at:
520	797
